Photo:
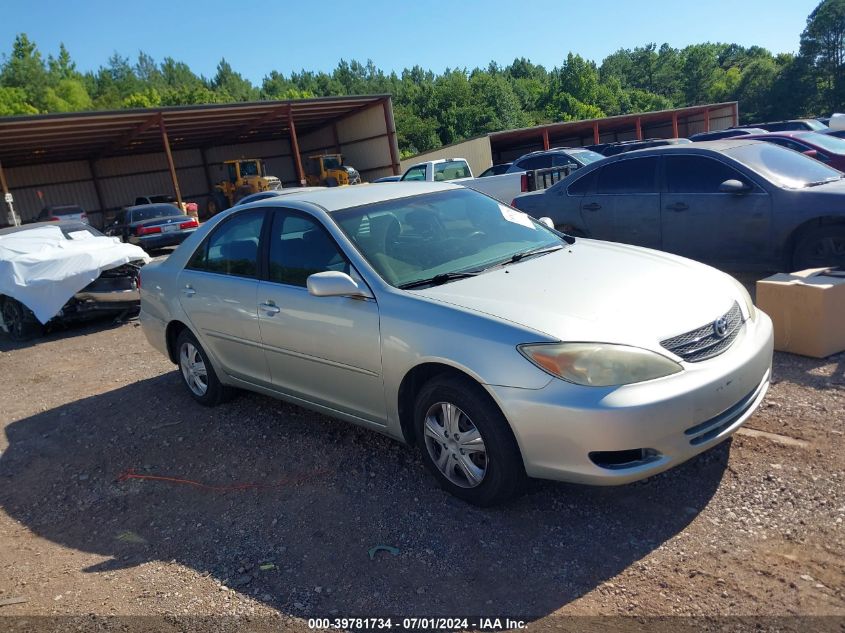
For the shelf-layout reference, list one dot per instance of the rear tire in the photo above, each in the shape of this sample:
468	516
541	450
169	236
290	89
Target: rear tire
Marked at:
466	442
217	202
198	373
331	181
21	324
820	247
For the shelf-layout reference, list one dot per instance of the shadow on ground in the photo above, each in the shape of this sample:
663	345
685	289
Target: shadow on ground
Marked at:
60	331
329	493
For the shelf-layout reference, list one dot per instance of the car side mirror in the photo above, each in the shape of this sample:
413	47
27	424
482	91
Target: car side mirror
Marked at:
332	283
547	221
734	186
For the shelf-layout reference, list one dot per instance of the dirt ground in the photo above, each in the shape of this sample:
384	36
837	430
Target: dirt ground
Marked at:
290	504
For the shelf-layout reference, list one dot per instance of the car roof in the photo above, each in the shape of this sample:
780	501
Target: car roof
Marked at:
62	207
154	205
66	224
786	133
337	198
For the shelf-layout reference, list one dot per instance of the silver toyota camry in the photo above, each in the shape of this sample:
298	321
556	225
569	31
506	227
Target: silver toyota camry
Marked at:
442	318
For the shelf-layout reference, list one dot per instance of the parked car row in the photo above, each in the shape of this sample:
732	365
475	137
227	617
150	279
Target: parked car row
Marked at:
442	317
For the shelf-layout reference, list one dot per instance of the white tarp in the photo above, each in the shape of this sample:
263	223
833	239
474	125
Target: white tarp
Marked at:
42	269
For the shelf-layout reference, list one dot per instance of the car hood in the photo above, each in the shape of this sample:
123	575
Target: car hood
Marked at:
598	291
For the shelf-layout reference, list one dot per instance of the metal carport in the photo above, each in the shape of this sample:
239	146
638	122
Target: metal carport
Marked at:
102	160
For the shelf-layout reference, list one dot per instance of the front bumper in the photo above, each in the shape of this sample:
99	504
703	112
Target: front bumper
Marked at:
673	418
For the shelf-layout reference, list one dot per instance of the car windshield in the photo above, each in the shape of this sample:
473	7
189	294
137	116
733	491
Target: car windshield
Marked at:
816	125
249	168
69	210
586	156
73	231
825	141
783	167
151	212
460	231
331	162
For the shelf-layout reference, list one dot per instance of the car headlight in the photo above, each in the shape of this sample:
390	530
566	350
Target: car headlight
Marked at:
599	364
750	308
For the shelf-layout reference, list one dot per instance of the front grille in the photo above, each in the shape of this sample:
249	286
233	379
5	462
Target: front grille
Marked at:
703	342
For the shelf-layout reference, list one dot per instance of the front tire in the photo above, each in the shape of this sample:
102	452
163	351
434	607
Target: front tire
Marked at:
21	324
466	442
820	247
197	372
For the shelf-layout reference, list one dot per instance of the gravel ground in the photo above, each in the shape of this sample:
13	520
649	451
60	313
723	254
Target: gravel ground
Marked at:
751	528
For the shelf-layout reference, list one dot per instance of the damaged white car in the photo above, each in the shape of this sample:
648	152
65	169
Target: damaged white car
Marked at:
56	272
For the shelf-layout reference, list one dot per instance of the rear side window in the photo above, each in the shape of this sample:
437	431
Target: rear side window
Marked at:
698	174
232	249
583	185
636	175
415	173
536	162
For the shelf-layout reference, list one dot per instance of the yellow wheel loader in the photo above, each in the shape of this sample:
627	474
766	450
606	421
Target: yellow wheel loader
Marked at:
245	176
328	170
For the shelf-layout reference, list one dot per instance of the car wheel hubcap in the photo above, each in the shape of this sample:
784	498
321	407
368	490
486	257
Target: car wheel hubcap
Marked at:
193	369
455	445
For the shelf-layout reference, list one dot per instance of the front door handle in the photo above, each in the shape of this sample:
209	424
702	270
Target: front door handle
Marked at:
270	308
678	206
593	206
188	291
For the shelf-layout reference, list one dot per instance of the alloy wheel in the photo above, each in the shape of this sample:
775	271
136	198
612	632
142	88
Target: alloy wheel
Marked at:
193	369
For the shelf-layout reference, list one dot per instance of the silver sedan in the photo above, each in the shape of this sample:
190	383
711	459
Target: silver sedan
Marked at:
442	318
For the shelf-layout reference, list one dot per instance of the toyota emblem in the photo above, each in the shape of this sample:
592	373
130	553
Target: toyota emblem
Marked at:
720	327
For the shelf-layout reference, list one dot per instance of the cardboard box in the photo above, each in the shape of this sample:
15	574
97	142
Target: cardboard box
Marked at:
807	309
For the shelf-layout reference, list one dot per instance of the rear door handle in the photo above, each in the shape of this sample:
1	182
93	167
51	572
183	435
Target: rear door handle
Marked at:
270	308
593	206
188	291
678	206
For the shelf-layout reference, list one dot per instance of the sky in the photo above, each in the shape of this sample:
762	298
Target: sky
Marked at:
257	37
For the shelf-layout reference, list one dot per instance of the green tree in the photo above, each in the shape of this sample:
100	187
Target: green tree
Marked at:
13	102
231	85
823	45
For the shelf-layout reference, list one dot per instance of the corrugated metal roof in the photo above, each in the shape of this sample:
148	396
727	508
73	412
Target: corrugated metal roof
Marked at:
606	123
27	140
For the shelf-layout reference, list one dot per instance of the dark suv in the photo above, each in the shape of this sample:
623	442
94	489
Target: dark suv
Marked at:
575	157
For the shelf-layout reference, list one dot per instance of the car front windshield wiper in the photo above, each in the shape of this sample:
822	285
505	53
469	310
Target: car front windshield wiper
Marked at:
438	280
823	182
516	257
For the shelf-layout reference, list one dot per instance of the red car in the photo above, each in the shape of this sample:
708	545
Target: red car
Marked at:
824	147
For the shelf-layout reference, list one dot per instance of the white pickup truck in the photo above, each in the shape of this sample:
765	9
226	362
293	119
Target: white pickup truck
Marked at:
504	187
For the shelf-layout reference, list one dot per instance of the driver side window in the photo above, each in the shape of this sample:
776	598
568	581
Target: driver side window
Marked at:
300	246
